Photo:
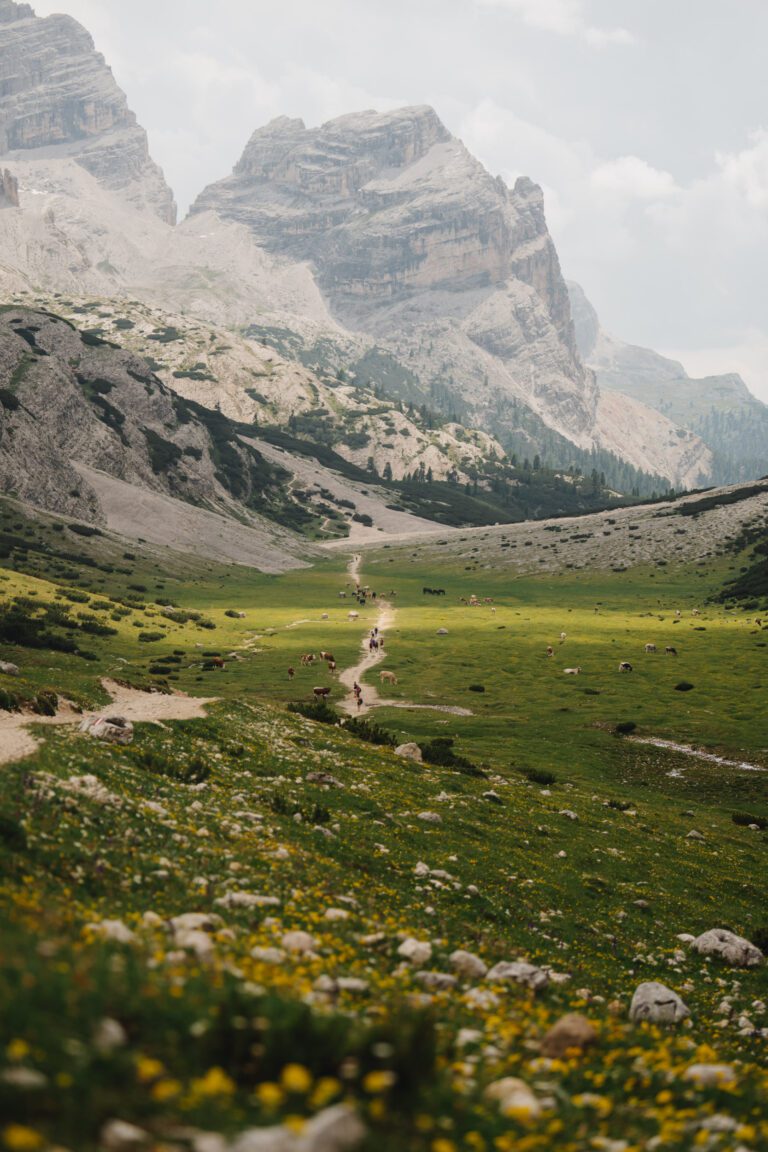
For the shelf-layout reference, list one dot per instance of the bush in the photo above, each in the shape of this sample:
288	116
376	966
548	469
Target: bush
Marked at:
477	688
625	728
683	686
539	776
440	752
368	731
46	703
151	637
620	805
317	710
12	835
759	937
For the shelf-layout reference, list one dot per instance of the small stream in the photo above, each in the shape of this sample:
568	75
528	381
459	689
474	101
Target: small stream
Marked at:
687	750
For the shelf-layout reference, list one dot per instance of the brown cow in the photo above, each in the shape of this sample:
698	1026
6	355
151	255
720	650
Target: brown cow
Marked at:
331	666
550	650
321	693
308	658
387	677
291	673
327	656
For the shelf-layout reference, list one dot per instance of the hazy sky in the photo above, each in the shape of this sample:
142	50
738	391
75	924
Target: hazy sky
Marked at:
646	122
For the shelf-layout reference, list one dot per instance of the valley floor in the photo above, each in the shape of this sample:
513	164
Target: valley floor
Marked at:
249	929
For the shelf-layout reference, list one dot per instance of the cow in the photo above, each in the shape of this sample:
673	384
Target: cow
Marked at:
669	651
563	636
331	666
321	693
650	647
308	658
352	615
572	671
291	673
550	650
387	677
695	612
677	613
324	616
327	656
342	595
625	666
216	661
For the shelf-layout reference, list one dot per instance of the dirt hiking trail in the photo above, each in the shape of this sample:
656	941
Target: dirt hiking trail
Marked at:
369	659
16	741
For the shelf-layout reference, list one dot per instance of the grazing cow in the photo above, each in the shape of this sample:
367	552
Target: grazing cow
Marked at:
352	615
625	666
216	661
331	666
677	613
321	693
572	671
291	673
308	658
695	612
562	636
343	595
387	677
550	650
327	656
669	651
493	609
650	647
324	616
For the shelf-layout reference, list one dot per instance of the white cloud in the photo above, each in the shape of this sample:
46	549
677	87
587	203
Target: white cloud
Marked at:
747	171
563	17
632	178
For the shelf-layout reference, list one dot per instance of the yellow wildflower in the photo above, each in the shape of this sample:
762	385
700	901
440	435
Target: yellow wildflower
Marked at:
324	1091
214	1083
375	1082
296	1079
17	1051
19	1138
165	1089
443	1145
147	1068
269	1094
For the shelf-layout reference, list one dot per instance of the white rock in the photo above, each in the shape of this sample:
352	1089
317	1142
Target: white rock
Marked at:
727	946
436	981
442	632
657	1003
352	984
119	1136
193	940
468	965
421	870
430	817
336	1129
710	1075
298	941
334	914
409	751
513	1096
246	900
694	835
416	952
9	669
568	814
108	1035
24	1078
111	729
481	999
685	938
519	972
113	930
268	955
195	922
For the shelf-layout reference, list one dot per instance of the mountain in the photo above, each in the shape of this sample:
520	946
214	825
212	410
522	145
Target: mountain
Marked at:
58	98
719	409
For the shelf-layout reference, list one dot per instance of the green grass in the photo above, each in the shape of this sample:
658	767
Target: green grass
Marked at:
195	810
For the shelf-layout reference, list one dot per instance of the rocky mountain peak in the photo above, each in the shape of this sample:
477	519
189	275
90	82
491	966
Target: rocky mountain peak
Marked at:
9	189
58	99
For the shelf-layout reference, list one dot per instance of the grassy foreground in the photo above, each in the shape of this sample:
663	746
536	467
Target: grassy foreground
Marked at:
266	823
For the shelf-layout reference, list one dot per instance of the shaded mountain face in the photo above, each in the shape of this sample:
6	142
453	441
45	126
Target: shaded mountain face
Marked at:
58	98
79	416
719	409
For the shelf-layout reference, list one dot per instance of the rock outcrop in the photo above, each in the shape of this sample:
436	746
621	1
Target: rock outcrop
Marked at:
58	98
9	189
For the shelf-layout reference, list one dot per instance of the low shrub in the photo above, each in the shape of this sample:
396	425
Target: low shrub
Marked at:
477	688
440	752
317	710
625	727
683	686
744	819
369	731
539	776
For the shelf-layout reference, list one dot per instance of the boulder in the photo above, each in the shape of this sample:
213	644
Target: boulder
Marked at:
658	1004
519	972
409	751
111	729
729	947
514	1098
298	941
430	817
9	669
267	955
119	1136
468	966
711	1075
416	952
436	981
113	930
571	1031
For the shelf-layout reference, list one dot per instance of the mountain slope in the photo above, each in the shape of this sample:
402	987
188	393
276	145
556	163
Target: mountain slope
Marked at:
719	409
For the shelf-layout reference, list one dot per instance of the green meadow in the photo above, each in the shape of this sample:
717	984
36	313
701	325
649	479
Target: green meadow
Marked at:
557	839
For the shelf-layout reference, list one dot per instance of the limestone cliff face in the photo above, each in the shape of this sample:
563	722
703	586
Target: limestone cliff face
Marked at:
406	231
59	98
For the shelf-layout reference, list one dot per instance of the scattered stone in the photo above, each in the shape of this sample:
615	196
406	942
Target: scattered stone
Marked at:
571	1031
416	952
519	972
109	1035
268	955
436	981
111	729
430	817
657	1003
468	965
246	900
298	941
24	1078
119	1136
113	930
333	914
694	835
727	946
193	940
421	870
711	1075
492	797
336	1129
514	1098
323	778
194	922
442	632
9	669
568	814
409	751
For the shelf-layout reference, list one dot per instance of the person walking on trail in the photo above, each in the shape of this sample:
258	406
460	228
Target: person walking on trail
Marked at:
357	690
359	701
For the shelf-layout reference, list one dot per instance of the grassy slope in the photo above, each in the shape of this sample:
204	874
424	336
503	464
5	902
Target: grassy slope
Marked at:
229	788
